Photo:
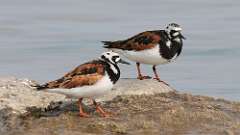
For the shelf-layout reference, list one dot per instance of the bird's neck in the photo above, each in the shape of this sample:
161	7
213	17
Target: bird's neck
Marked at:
113	71
170	46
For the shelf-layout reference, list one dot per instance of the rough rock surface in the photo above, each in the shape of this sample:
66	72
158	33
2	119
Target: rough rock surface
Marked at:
140	107
18	94
170	113
136	87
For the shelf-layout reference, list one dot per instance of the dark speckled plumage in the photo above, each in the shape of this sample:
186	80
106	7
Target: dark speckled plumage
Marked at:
148	40
85	74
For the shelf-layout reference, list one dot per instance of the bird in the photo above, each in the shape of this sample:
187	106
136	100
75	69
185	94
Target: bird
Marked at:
89	80
151	47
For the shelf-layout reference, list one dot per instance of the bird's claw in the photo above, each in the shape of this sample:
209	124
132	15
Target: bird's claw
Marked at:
158	79
102	112
144	77
84	115
105	114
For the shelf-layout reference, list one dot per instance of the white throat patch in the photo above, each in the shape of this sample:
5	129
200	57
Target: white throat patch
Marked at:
177	40
168	43
113	68
176	33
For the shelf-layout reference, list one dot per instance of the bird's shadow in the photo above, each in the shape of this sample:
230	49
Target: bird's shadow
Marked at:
55	109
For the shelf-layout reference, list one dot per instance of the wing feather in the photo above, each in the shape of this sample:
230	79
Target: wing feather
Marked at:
85	74
142	41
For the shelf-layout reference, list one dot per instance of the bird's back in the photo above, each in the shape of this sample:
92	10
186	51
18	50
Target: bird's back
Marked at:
85	74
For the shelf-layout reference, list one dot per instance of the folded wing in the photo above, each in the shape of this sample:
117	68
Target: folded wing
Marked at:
86	74
142	41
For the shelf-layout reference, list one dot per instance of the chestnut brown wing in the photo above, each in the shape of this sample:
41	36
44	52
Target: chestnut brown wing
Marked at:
142	41
86	74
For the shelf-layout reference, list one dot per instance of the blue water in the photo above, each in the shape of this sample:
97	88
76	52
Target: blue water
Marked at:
42	40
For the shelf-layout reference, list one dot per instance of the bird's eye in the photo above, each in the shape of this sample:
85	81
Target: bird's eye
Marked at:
108	53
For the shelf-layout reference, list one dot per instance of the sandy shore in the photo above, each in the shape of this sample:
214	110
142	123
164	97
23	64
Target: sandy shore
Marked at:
139	107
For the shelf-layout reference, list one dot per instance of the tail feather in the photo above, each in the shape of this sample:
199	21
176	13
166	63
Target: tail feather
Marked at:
107	44
112	44
50	85
41	87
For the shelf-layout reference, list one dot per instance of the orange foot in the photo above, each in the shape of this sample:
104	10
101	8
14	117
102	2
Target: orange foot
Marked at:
158	79
102	112
84	115
143	77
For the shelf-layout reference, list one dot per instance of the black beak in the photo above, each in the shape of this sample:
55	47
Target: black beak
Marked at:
182	36
123	62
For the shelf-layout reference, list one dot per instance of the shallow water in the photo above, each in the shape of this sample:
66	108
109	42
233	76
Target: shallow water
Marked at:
42	40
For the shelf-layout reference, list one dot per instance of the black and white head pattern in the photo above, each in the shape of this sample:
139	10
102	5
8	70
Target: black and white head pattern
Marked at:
173	27
111	57
174	31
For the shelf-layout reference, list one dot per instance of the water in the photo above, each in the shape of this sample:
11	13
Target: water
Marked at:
42	40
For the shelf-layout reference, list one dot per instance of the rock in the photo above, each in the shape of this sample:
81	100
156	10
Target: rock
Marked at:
17	96
139	107
137	87
228	132
141	115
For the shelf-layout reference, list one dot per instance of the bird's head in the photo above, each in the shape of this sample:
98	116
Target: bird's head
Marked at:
174	30
113	58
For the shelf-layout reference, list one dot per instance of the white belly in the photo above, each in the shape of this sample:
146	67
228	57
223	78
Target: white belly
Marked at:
150	56
100	88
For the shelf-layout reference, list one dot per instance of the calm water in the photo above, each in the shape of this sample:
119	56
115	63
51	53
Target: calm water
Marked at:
42	40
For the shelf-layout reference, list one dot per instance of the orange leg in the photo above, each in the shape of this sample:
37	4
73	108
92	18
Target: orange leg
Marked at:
157	76
81	112
140	76
100	110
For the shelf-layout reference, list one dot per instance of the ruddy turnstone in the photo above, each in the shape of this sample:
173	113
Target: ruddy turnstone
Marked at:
89	80
151	47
